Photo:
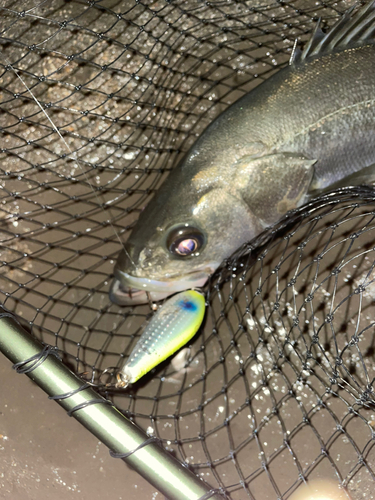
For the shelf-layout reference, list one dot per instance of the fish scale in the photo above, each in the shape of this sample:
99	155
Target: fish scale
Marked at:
171	327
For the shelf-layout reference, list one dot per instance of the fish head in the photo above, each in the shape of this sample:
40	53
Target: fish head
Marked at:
180	239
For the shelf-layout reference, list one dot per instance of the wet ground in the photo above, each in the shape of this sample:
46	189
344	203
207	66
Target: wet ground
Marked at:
44	454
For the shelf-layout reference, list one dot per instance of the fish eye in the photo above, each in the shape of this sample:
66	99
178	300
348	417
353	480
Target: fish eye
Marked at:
185	240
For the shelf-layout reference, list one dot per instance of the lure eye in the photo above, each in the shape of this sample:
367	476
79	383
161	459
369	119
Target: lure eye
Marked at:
185	240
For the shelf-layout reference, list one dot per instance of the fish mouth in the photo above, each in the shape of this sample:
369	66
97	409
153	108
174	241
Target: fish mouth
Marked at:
128	296
127	290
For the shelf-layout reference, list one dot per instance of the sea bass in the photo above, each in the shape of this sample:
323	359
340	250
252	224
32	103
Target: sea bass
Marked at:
309	126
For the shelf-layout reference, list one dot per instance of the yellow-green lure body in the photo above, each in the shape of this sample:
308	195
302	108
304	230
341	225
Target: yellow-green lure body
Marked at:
171	327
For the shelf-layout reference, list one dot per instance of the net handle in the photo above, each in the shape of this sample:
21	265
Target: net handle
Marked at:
125	440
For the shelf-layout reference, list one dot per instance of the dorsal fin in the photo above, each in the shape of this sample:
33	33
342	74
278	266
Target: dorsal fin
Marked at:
349	30
316	37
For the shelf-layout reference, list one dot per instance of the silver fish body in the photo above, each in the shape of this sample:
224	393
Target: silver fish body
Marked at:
309	126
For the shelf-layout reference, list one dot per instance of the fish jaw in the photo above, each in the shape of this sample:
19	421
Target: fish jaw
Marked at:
127	290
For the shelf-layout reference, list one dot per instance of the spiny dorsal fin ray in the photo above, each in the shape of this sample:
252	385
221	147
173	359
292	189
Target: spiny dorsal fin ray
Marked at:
361	21
369	33
316	37
348	30
366	24
336	32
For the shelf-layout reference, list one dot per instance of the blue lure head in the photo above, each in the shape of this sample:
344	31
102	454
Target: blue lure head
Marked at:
187	305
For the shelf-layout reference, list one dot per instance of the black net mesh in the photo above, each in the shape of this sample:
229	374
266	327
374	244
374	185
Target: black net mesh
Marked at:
99	101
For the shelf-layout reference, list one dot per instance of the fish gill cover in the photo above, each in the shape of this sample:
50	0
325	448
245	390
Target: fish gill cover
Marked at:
99	102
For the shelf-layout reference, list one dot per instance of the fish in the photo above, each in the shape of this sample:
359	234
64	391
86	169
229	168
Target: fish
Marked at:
309	126
171	327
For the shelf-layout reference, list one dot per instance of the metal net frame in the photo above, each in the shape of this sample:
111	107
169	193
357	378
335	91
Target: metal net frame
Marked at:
100	99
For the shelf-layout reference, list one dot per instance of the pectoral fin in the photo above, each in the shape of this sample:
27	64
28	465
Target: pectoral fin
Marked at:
273	184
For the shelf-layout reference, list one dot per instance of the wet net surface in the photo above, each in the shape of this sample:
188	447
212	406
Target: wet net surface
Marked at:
99	100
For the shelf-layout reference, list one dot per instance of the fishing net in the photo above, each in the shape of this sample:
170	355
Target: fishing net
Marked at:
99	101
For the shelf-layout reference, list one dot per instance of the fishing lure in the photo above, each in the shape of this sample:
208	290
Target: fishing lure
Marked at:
171	327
